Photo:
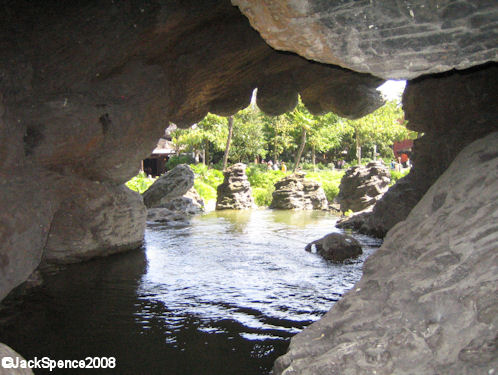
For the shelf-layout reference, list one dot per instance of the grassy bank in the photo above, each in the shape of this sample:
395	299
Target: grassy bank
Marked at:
261	179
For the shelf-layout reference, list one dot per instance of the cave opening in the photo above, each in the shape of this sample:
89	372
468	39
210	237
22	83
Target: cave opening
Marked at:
427	301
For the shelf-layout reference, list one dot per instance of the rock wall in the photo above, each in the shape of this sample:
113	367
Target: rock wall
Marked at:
428	36
427	303
451	110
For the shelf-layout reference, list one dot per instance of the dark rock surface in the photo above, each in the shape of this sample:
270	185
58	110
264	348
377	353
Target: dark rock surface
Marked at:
428	36
294	192
427	303
235	192
336	247
173	184
452	110
363	185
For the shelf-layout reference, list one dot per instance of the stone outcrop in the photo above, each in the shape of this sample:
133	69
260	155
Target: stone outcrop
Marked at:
294	192
6	351
336	247
363	185
173	184
452	110
105	219
428	36
427	303
189	203
235	192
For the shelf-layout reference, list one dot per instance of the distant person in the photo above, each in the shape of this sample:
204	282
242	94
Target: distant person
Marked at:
404	160
284	167
270	165
275	166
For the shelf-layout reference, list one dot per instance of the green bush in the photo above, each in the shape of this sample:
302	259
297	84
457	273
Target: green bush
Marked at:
330	180
175	160
140	182
396	175
262	196
206	181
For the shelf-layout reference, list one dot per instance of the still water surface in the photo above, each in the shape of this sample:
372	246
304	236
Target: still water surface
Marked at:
222	295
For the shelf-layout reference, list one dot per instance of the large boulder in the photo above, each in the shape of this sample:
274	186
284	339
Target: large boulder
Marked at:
336	247
363	185
106	219
173	184
235	191
427	303
294	192
189	203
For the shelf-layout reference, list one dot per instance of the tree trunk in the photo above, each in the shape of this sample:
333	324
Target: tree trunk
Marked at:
300	151
313	158
229	140
358	148
206	153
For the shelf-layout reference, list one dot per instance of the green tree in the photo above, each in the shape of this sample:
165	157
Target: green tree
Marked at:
248	142
211	131
278	133
379	130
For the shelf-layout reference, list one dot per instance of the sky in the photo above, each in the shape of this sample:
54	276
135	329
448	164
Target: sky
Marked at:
392	90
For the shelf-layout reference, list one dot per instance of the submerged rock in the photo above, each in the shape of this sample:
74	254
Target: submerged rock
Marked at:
336	247
427	303
173	184
235	191
363	185
294	192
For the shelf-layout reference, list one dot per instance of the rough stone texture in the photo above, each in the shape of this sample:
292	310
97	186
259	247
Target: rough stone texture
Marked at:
452	110
87	88
428	303
190	203
173	184
390	39
102	220
363	185
294	192
235	191
336	247
7	351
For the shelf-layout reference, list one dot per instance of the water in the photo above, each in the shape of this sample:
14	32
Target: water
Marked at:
221	296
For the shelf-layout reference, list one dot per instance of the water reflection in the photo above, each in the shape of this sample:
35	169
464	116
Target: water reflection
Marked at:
221	296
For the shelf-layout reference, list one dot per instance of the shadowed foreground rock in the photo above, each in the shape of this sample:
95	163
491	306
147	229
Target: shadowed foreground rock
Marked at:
294	192
6	351
336	247
235	192
426	304
363	185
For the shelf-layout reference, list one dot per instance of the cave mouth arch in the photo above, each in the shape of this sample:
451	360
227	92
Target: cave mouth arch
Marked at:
86	89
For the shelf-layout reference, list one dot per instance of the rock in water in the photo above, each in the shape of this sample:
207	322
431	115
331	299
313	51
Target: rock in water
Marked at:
173	184
235	191
427	303
363	185
336	247
294	192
